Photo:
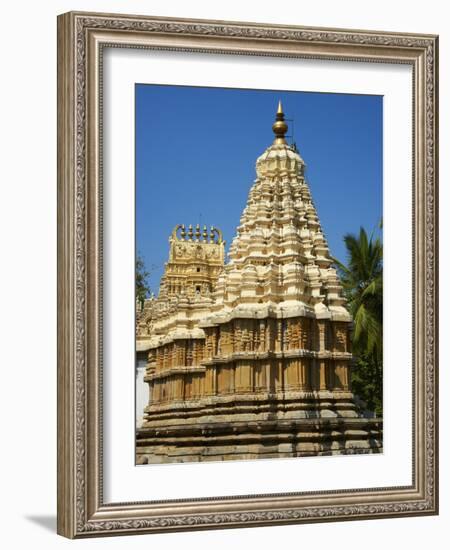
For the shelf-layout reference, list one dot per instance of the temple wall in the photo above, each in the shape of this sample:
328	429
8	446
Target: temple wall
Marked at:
237	358
142	391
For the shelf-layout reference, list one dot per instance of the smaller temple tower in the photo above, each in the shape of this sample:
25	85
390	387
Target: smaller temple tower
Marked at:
195	260
166	329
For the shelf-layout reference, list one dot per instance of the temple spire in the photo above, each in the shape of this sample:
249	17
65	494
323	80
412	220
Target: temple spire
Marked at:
280	108
279	126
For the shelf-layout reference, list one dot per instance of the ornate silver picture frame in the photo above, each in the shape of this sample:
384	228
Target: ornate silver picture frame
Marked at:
82	508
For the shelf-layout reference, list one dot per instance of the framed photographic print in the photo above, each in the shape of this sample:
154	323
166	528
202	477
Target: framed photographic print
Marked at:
247	274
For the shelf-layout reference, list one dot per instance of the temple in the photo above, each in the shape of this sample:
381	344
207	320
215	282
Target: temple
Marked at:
251	358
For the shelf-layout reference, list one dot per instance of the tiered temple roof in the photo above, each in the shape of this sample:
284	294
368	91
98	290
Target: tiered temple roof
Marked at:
279	259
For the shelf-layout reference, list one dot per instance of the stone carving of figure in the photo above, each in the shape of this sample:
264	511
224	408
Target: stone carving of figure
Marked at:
180	249
245	340
256	336
199	254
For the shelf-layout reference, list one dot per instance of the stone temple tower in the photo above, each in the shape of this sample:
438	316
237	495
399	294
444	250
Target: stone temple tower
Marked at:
270	376
195	261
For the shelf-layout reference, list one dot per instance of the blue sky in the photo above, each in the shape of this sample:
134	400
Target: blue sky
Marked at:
196	150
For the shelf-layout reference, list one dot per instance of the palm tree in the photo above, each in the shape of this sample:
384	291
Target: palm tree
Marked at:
362	280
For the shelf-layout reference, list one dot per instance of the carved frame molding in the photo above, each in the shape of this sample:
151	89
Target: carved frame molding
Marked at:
81	39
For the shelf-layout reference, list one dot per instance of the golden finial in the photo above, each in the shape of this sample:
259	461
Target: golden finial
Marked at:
279	126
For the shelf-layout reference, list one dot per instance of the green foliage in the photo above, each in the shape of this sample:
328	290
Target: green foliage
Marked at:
362	279
142	286
367	382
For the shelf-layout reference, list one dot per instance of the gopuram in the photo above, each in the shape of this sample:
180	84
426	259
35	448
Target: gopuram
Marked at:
251	358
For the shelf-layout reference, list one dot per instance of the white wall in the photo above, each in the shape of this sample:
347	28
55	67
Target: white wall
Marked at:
141	399
28	274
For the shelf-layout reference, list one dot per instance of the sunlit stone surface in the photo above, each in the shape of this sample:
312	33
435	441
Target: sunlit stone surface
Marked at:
252	359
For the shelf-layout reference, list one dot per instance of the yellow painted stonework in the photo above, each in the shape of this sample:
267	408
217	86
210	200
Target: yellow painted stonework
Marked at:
252	358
